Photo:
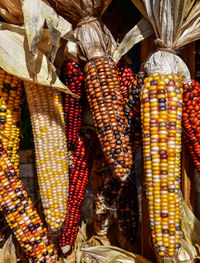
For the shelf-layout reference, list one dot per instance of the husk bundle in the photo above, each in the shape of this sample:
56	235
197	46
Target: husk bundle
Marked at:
175	23
92	38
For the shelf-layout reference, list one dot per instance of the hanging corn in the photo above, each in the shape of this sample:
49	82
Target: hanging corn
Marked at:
47	117
21	215
72	77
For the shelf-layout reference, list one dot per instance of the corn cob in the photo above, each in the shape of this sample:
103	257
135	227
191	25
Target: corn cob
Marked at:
127	208
21	215
132	112
77	189
72	77
45	105
106	104
126	77
11	92
191	117
161	110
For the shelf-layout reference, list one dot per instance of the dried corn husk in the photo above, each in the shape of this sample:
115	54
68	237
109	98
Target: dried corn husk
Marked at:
8	253
139	32
11	11
175	23
110	254
13	41
92	38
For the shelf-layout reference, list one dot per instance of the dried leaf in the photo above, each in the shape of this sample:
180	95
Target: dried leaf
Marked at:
139	32
172	20
110	254
8	253
35	14
12	42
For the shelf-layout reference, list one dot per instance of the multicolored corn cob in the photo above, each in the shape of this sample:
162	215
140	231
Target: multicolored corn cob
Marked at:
77	189
47	117
72	77
161	114
11	92
21	215
132	112
191	120
106	104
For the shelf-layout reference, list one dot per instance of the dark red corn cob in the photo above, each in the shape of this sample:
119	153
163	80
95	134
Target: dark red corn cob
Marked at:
128	209
21	215
106	104
126	77
72	77
77	189
191	120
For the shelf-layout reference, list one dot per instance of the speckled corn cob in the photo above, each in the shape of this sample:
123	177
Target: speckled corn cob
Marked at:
106	104
161	111
11	92
45	105
21	215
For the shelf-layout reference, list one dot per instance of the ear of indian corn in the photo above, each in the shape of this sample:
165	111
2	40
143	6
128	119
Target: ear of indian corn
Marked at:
106	104
21	215
47	117
77	189
161	111
72	77
11	92
191	117
111	191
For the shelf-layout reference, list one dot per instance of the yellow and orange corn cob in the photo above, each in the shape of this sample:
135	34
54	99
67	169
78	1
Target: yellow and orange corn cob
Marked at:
21	215
161	114
47	117
106	104
11	92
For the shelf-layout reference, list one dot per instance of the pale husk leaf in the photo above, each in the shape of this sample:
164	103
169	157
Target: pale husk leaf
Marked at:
8	253
17	60
35	14
139	32
175	23
113	254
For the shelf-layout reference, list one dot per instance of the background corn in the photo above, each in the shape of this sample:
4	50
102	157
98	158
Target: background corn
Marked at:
45	105
21	215
106	104
191	117
161	111
72	77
